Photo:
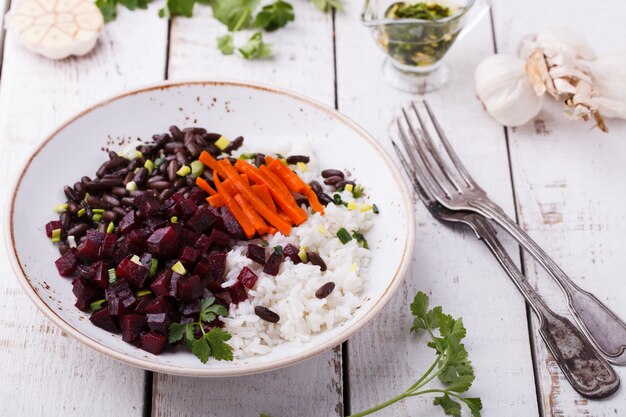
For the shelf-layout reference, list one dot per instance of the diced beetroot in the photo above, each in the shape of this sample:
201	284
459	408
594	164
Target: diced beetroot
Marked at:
129	222
185	208
158	305
215	286
107	247
237	293
159	323
291	252
217	264
231	226
131	325
217	213
174	284
178	196
85	271
203	269
96	236
190	309
201	220
154	222
66	264
198	195
161	285
203	244
147	204
188	256
120	299
164	242
88	251
54	224
123	249
100	275
84	293
247	277
102	318
189	237
256	253
137	239
273	264
153	342
146	259
219	238
133	273
144	302
189	288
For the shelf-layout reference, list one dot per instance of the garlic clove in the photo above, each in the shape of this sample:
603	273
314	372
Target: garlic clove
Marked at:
555	42
505	90
609	80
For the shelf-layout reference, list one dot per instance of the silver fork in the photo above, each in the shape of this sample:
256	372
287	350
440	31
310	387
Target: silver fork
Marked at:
585	369
452	186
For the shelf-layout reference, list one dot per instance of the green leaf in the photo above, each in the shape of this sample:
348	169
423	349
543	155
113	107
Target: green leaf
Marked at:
135	4
177	8
255	48
275	16
235	14
201	349
461	383
326	5
207	302
218	309
475	405
225	44
177	331
450	407
190	337
108	9
217	339
419	306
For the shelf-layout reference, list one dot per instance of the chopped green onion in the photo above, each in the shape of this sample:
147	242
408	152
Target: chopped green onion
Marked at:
96	217
174	219
183	171
343	235
97	211
284	161
110	227
348	187
60	208
366	207
222	143
143	293
278	250
197	169
56	236
149	165
247	156
358	236
179	268
302	254
71	241
357	191
86	196
264	243
81	212
131	186
351	205
135	170
154	263
159	161
112	276
139	154
301	166
97	305
322	229
375	209
136	259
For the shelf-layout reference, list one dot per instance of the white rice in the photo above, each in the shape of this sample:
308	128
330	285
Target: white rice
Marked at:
291	294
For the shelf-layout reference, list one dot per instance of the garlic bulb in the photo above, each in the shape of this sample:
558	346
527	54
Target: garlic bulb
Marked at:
56	29
609	79
504	88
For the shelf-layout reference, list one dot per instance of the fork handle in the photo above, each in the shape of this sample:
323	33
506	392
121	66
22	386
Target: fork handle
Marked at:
585	369
605	329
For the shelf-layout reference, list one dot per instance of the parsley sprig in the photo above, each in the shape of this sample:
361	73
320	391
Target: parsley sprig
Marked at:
210	343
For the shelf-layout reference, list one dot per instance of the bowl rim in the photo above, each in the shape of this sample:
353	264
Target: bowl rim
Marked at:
247	368
459	13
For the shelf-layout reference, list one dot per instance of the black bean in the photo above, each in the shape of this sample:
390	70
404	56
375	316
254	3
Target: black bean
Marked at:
111	181
136	193
127	201
332	173
113	155
300	200
104	168
324	198
85	179
173	146
181	158
65	220
199	140
315	259
63	248
146	150
159	185
102	228
193	149
121	172
72	207
183	190
134	164
109	216
110	200
325	290
333	180
190	180
176	133
95	202
259	160
128	178
316	186
234	145
180	182
78	230
165	194
70	194
195	130
171	170
94	186
119	191
232	160
341	184
119	211
140	176
189	137
266	314
116	162
79	189
163	168
294	159
211	137
156	178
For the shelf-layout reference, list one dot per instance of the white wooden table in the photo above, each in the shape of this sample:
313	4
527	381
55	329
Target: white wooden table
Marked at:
563	181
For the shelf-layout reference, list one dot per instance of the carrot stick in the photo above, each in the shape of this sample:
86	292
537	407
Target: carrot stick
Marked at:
242	219
208	160
248	169
314	201
255	202
245	179
201	182
229	187
276	182
295	184
216	200
263	192
268	159
271	230
283	216
251	214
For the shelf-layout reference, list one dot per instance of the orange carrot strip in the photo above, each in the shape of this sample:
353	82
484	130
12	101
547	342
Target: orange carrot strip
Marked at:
268	159
242	219
314	201
216	200
229	187
283	216
271	230
263	192
295	184
255	202
252	215
245	179
208	160
250	170
276	182
201	182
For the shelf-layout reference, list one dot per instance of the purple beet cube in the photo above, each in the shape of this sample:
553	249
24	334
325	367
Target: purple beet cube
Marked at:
201	220
84	293
120	298
85	271
178	196
247	277
185	208
188	256
66	264
215	286
164	242
96	236
137	239
88	251
158	305
256	253
191	309
159	323
231	226
100	275
237	293
143	303
189	288
131	325
273	264
129	222
153	342
203	269
134	274
54	224
217	213
189	237
161	284
107	247
217	264
123	249
147	204
154	222
219	238
174	284
102	318
291	252
197	195
203	244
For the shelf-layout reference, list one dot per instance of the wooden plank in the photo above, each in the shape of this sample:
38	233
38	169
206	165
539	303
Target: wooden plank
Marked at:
303	62
568	180
449	264
44	372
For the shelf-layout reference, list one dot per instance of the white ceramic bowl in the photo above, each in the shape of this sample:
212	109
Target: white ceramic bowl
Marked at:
262	115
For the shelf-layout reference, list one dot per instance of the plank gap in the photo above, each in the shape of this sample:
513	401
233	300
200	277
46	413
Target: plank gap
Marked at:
3	34
345	378
334	34
167	50
147	394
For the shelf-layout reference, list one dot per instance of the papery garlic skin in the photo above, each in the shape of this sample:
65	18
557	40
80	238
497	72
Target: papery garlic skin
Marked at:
504	88
609	80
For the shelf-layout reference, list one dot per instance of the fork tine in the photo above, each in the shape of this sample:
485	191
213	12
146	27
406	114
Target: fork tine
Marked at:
453	156
410	172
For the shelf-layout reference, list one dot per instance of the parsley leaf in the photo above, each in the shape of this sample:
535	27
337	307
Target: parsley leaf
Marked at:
108	9
217	339
275	16
474	404
177	331
450	407
255	48
235	14
326	5
225	44
177	8
201	349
